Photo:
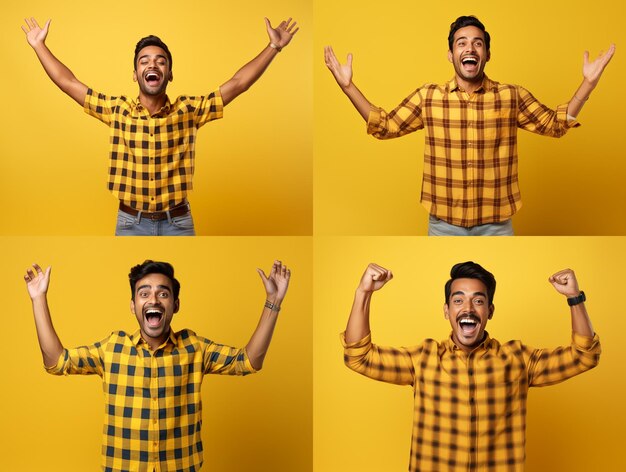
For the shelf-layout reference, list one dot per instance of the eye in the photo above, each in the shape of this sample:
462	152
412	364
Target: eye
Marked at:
143	294
479	301
164	295
479	44
461	43
457	301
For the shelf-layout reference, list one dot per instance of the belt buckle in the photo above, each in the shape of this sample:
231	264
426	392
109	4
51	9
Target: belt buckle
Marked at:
155	216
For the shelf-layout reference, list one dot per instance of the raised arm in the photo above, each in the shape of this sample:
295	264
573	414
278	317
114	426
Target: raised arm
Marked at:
242	80
566	284
37	282
343	76
59	73
276	285
374	278
592	71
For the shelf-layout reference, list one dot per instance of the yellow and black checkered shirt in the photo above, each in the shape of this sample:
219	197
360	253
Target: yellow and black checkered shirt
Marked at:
470	151
151	161
152	404
470	409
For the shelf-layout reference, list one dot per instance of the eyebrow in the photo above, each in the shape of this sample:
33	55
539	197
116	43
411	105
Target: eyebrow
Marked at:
466	37
461	292
149	55
163	287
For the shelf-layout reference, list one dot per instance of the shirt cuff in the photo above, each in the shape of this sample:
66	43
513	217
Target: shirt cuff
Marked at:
247	362
561	115
356	345
373	121
586	343
57	369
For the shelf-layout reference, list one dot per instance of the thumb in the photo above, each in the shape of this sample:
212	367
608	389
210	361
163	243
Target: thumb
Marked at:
262	275
49	269
586	57
268	25
350	60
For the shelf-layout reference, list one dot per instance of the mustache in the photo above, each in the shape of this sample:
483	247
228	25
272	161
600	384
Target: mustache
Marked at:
470	316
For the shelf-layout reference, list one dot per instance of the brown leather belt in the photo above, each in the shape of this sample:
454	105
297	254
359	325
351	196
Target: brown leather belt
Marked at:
179	210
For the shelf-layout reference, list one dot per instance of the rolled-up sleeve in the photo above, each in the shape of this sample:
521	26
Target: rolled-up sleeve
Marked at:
550	366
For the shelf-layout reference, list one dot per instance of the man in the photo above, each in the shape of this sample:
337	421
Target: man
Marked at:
152	142
470	182
152	378
470	391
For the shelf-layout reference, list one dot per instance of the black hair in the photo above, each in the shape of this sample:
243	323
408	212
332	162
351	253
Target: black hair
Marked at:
462	22
153	267
471	270
151	41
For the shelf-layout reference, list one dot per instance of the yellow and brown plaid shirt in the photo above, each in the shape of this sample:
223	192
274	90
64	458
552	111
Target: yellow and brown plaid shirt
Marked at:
470	409
151	159
152	403
470	152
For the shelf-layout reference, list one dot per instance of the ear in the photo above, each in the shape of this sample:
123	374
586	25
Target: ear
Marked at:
177	306
488	55
134	76
449	56
492	308
446	314
132	306
171	77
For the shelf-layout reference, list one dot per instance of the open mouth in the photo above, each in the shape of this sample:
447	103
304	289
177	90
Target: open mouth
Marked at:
469	325
153	317
152	78
469	62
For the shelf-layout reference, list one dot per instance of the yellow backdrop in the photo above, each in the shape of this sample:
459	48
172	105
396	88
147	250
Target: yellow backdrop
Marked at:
364	425
261	422
253	168
570	186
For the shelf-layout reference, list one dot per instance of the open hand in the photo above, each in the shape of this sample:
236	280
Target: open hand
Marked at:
374	278
37	282
565	283
592	71
341	72
282	34
34	33
277	282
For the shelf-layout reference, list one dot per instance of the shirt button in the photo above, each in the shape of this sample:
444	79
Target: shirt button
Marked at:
472	400
470	371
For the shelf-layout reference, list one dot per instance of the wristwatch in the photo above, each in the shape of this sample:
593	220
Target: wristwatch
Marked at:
571	301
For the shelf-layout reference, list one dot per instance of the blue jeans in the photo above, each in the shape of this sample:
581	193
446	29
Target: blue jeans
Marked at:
129	225
437	227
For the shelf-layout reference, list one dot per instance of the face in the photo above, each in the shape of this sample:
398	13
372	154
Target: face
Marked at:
154	306
469	54
468	312
152	71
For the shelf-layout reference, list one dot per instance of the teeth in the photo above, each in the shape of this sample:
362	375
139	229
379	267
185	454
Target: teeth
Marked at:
467	321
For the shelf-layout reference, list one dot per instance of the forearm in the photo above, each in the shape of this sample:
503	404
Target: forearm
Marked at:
60	74
581	324
362	104
49	342
247	75
359	322
261	338
579	98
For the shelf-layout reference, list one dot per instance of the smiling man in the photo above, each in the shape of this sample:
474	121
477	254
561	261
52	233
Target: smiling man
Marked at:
469	390
152	138
470	182
152	377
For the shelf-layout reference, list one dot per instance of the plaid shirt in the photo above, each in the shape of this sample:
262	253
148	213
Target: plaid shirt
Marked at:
152	404
470	152
470	409
151	161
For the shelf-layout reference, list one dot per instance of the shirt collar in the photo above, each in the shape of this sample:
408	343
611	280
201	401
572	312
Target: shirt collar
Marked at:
165	109
137	340
487	85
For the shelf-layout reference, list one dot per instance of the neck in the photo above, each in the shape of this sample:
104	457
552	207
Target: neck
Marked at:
152	103
470	86
154	343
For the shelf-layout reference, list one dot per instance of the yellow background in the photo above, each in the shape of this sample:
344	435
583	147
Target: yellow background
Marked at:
260	422
364	425
253	168
570	186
